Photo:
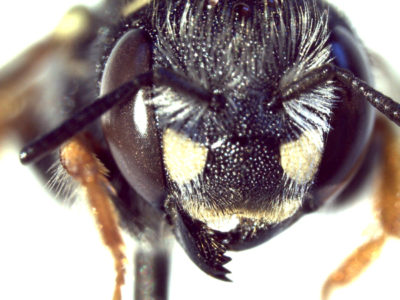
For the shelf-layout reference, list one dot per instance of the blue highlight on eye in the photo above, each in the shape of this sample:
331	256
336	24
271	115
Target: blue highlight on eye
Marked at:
340	55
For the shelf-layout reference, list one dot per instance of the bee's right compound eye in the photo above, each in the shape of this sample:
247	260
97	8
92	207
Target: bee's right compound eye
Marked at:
349	53
130	127
352	118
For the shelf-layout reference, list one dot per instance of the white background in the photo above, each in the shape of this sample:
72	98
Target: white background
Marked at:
51	252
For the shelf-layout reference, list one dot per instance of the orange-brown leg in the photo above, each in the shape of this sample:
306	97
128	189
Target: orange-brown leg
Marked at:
354	265
81	163
387	210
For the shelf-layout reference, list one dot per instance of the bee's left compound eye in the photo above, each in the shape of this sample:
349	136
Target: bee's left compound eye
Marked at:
129	127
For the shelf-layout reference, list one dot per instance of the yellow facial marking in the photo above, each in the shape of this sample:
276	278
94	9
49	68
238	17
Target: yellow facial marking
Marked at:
183	158
228	219
280	212
300	159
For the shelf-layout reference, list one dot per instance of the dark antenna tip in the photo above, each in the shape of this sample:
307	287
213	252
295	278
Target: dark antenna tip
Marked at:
27	155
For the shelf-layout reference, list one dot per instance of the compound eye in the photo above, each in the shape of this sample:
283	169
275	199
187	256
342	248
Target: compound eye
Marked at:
348	52
129	127
351	120
130	56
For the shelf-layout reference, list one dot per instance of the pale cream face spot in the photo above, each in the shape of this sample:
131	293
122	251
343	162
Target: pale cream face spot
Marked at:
223	223
281	212
300	159
184	159
229	219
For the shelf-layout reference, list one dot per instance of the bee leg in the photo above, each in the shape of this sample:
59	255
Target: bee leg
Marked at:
388	200
82	164
388	212
20	89
152	265
353	266
22	82
18	93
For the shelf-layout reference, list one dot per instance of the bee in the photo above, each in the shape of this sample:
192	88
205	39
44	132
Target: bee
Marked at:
246	261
